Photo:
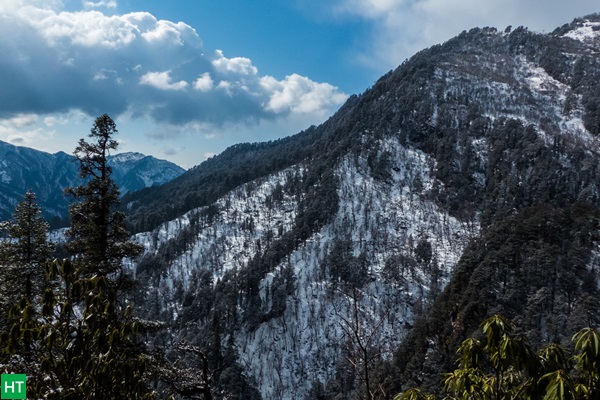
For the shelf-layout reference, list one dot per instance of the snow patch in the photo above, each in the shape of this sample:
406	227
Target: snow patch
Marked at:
588	31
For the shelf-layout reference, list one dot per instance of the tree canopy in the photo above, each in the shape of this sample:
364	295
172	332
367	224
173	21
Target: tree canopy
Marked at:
506	367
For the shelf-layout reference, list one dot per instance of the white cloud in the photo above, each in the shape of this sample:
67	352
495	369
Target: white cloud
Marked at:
204	83
99	4
170	32
89	29
50	121
237	65
300	95
57	61
20	121
162	80
23	130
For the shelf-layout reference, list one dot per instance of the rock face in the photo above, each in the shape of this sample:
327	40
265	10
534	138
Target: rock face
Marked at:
22	168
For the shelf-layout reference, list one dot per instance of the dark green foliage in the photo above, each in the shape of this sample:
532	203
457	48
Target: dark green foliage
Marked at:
78	338
532	267
78	342
506	367
239	164
23	253
98	234
344	267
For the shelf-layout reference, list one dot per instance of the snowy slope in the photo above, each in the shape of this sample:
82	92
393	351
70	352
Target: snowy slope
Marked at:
434	127
382	220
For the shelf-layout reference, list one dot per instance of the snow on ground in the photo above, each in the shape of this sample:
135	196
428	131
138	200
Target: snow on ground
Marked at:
382	219
589	30
232	238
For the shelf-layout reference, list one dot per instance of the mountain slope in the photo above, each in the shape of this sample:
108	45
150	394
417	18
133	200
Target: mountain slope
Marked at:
463	183
22	168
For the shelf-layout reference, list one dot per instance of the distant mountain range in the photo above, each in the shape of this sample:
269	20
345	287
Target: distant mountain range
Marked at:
23	168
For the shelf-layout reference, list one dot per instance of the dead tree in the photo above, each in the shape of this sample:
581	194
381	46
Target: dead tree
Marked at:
361	339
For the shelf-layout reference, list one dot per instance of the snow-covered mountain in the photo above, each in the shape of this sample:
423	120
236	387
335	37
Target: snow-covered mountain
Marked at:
136	171
23	168
464	182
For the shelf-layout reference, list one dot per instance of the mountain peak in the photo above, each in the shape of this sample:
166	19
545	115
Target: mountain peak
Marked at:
23	168
126	157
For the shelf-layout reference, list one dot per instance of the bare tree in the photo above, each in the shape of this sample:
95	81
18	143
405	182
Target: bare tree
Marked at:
361	338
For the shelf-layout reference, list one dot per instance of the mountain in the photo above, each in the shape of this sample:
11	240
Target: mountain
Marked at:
463	183
23	168
136	171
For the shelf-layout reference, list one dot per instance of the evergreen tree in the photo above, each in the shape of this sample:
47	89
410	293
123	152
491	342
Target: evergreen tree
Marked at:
75	344
79	339
30	248
23	252
99	236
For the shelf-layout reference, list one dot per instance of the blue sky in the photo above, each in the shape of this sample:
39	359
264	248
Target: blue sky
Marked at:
184	79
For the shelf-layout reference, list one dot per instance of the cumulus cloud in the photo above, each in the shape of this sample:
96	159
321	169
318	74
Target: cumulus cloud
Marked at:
239	66
204	83
56	61
162	80
299	94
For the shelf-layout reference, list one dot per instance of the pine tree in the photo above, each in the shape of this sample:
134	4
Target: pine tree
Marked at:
75	344
30	249
79	340
99	236
23	253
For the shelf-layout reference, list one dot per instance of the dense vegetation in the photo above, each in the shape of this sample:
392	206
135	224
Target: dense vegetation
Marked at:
502	160
506	367
68	324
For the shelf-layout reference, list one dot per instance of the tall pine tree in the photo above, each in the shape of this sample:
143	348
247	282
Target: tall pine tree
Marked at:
79	340
99	238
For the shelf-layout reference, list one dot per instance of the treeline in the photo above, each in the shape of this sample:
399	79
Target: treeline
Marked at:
238	164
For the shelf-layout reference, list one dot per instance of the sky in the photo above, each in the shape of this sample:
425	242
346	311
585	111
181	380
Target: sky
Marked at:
185	79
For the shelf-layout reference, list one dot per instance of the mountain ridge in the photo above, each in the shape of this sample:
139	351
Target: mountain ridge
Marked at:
355	256
24	168
405	210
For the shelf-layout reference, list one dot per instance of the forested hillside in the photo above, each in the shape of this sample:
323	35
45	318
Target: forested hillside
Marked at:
462	184
350	261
